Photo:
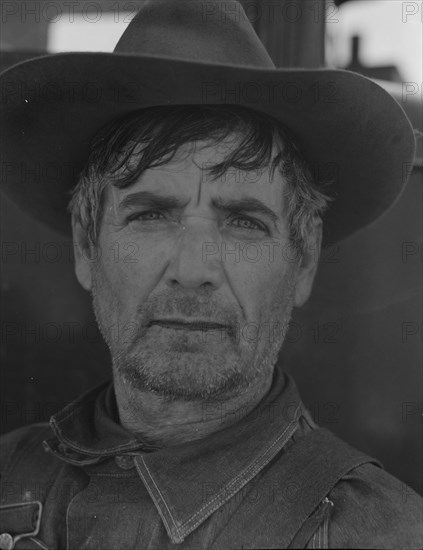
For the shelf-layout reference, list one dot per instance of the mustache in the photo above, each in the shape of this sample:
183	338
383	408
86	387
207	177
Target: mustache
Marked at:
188	306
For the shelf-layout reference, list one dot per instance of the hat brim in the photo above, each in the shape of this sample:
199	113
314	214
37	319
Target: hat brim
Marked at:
350	129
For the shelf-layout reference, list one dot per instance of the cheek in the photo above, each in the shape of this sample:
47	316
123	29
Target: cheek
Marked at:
263	287
127	270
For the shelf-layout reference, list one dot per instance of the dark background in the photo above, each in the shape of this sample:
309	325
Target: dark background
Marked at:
355	349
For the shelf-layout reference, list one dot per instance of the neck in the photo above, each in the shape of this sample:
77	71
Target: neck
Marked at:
163	423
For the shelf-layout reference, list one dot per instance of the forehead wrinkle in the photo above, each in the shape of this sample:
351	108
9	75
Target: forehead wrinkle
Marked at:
205	165
164	178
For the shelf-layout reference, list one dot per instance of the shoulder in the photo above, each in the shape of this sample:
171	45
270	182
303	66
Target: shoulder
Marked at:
370	507
22	442
373	509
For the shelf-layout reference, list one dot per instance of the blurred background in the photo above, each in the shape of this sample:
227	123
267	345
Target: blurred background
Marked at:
355	349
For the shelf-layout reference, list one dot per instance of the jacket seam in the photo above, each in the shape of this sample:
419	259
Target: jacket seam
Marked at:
40	543
67	513
250	470
110	451
162	498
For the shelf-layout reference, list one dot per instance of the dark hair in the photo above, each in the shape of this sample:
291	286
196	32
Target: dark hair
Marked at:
126	147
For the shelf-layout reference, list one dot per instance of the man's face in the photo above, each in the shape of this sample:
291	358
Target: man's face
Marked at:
194	279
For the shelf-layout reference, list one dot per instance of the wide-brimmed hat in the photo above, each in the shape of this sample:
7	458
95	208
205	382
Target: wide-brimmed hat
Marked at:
195	52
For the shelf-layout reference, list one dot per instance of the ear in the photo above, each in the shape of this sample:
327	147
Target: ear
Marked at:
308	264
82	255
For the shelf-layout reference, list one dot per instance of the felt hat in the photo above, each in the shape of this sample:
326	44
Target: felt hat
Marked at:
183	52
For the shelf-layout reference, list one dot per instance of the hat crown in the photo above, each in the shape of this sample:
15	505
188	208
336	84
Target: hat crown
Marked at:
195	30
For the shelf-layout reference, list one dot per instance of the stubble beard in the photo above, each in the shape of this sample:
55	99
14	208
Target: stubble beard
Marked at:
192	367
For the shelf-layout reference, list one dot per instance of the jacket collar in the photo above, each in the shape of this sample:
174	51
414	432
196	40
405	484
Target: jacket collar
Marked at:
90	426
187	482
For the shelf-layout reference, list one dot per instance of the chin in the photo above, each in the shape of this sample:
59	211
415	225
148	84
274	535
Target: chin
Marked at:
187	375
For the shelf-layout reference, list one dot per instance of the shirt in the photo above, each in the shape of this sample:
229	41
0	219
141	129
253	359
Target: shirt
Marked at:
89	483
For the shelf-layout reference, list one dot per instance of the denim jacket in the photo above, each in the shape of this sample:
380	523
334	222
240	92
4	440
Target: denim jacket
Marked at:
272	479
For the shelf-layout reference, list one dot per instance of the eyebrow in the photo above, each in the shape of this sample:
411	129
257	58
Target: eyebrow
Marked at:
153	200
169	202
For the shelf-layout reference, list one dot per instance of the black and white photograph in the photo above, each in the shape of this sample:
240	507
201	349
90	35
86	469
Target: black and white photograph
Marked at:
211	274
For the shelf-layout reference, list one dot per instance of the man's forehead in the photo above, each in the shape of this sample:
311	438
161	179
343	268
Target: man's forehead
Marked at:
191	168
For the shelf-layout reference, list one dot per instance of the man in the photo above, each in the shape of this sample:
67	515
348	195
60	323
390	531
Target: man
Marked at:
200	441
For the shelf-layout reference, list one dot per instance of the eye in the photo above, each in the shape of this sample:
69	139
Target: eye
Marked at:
148	216
250	224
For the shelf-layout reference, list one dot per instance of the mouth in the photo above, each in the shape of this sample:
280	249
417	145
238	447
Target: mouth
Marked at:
180	324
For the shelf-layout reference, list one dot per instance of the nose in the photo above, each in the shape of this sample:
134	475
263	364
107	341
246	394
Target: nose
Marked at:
192	264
